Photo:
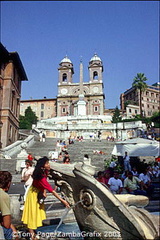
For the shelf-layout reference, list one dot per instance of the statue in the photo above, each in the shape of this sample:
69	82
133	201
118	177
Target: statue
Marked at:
101	214
21	157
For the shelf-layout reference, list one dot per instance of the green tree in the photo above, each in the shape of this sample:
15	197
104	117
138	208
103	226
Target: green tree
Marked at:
116	116
156	119
28	119
139	82
23	123
126	103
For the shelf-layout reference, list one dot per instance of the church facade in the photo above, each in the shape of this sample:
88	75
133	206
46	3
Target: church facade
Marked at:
71	95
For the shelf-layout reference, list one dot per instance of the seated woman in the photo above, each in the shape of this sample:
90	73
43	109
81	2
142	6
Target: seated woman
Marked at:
100	177
66	160
34	213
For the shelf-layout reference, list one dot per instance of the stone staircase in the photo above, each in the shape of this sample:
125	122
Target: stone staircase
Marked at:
76	152
154	203
78	149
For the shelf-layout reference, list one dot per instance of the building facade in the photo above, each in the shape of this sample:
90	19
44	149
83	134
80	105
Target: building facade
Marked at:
150	99
43	108
12	73
69	93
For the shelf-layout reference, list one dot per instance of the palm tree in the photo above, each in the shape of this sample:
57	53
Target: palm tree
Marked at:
139	83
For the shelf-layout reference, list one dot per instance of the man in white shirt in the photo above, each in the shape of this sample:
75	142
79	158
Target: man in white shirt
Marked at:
145	178
115	184
126	159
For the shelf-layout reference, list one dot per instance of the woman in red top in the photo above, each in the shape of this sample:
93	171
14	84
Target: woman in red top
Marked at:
34	213
100	177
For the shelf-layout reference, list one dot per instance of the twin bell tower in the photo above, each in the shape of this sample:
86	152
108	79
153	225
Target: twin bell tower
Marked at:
83	98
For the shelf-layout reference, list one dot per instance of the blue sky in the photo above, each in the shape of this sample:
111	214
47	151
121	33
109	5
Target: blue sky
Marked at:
124	34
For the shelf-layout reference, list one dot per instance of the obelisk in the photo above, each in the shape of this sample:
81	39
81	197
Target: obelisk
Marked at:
81	104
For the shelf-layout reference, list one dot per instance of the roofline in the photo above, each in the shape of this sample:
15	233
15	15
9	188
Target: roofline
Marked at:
14	56
39	100
3	53
148	87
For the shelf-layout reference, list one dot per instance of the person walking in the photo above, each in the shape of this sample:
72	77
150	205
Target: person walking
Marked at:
126	159
40	136
27	176
43	137
34	213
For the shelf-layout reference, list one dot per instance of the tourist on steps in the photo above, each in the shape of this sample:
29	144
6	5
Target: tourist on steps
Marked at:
115	184
134	185
27	176
34	213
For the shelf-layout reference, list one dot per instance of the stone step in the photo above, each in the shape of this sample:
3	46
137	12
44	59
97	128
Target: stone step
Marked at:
153	207
153	203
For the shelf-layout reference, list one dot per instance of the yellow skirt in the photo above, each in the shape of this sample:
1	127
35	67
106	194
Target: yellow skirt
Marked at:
33	213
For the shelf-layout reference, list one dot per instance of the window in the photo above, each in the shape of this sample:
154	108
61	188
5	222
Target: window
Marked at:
95	75
152	94
135	111
1	69
42	114
12	100
63	110
64	77
130	110
10	132
96	109
42	105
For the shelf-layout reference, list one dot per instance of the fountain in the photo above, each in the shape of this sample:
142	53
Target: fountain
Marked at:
99	212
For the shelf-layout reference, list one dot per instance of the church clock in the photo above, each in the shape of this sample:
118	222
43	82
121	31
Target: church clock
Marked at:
95	89
64	91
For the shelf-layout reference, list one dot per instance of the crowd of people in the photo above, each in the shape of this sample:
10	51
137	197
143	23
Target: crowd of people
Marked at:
35	175
131	180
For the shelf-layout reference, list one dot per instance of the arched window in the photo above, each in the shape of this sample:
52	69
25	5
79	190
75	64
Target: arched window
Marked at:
64	77
95	75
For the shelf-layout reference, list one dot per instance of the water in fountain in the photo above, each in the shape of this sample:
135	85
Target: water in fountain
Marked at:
66	231
65	214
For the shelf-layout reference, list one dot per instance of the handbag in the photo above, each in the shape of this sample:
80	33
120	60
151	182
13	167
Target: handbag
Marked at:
40	197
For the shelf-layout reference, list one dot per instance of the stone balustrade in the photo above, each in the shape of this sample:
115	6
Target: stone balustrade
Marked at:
15	148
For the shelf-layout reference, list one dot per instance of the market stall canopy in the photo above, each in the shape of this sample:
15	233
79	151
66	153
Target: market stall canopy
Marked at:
137	147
